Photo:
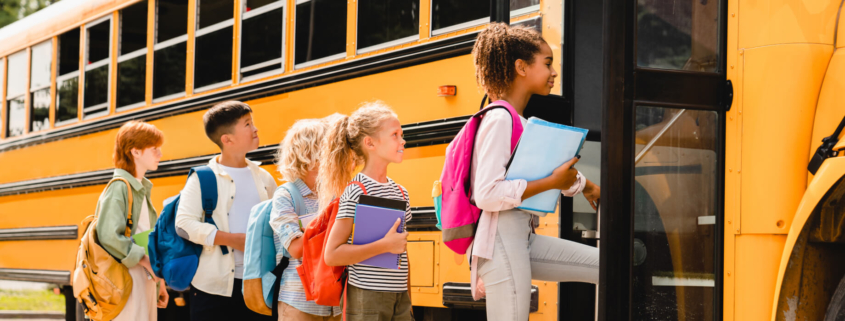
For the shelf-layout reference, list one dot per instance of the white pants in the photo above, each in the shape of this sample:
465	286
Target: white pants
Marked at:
520	256
143	298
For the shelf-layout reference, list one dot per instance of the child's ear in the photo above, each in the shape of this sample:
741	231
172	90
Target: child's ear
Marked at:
225	139
520	67
368	143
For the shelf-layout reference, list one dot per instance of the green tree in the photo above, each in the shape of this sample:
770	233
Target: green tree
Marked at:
13	10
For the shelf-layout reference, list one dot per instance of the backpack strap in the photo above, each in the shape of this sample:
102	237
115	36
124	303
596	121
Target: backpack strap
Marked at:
359	185
280	268
208	189
128	231
296	197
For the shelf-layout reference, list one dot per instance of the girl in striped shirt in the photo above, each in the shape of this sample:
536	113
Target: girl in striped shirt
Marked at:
372	137
297	161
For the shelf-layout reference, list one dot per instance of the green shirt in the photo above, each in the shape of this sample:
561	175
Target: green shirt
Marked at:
111	224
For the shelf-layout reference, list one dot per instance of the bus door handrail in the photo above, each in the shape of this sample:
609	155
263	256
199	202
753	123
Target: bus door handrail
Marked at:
656	137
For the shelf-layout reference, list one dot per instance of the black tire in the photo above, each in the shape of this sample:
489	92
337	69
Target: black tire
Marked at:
836	308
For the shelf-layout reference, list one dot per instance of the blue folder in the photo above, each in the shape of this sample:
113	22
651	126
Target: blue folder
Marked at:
543	147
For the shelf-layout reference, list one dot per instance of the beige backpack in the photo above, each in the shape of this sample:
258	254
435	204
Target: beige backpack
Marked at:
100	282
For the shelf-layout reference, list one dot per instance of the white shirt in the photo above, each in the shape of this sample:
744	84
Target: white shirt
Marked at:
246	196
143	220
216	271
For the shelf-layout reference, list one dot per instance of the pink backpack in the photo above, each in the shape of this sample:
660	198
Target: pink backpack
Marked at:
458	215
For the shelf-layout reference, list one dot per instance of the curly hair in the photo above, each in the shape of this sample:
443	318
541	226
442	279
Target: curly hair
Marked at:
134	134
496	51
299	150
341	150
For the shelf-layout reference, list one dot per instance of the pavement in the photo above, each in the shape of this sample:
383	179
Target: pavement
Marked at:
21	285
31	315
27	315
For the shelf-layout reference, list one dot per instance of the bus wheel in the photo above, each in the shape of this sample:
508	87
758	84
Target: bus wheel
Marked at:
836	308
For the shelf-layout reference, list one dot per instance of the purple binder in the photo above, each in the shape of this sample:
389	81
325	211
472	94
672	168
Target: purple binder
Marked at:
371	224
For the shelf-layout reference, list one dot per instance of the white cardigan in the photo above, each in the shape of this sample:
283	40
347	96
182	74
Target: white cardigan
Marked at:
491	192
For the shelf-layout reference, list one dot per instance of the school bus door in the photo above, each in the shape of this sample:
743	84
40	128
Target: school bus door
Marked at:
665	95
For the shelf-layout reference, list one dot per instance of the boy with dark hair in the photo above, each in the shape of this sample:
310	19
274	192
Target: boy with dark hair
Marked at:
241	184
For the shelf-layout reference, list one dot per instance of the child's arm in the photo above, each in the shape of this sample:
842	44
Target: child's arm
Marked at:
339	253
492	192
285	223
190	220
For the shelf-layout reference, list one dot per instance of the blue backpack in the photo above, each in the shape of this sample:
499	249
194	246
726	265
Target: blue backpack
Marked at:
262	276
172	257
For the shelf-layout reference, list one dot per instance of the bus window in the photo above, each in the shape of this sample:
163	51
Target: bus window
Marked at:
675	208
39	86
171	48
67	83
262	34
15	91
213	52
95	95
453	15
132	56
678	35
522	6
385	23
320	31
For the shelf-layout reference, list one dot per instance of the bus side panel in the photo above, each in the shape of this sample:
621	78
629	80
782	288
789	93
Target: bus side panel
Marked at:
411	92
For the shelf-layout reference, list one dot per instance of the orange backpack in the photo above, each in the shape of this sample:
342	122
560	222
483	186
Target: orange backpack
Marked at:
323	284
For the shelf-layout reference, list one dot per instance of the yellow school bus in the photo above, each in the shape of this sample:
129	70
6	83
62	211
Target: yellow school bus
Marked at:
75	71
704	116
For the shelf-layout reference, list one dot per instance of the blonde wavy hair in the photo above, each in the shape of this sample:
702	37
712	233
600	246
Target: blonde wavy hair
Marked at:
341	150
299	151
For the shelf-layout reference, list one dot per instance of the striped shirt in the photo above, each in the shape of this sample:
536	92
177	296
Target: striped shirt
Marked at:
366	276
285	224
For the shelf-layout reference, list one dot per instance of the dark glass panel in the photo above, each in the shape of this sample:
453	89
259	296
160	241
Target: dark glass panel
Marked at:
98	42
210	12
131	75
255	4
39	113
67	99
69	52
679	35
172	19
320	29
169	70
213	58
133	28
381	21
16	117
447	13
675	208
519	4
262	70
96	86
261	38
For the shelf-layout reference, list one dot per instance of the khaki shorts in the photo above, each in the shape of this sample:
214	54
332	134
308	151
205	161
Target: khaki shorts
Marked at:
289	313
366	305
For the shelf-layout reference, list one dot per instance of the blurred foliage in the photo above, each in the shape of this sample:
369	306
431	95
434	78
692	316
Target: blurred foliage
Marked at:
14	10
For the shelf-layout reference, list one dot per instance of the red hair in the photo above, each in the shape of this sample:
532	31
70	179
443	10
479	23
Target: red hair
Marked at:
138	135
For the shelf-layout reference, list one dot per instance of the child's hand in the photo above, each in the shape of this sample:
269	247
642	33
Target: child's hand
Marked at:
592	193
564	176
163	296
395	242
